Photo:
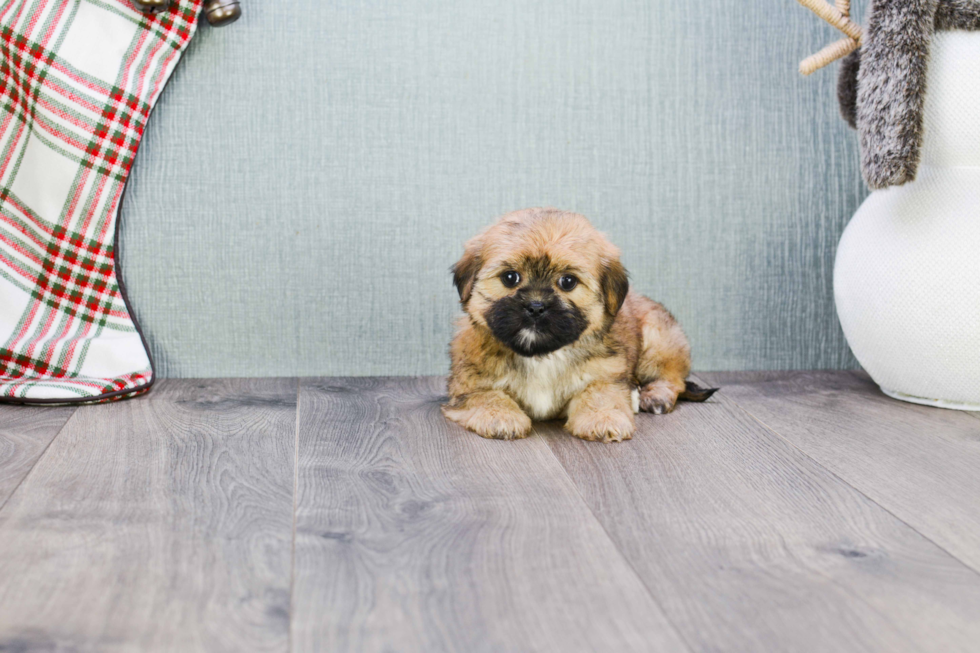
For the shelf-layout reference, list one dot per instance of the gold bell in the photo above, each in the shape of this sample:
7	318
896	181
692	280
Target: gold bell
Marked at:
151	6
222	12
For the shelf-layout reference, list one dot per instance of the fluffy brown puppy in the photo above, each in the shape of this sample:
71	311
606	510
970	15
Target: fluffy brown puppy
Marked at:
552	330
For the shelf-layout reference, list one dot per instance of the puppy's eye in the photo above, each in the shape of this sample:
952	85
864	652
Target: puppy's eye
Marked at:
567	282
510	278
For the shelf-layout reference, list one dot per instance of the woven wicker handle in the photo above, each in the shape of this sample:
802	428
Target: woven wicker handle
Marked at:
838	15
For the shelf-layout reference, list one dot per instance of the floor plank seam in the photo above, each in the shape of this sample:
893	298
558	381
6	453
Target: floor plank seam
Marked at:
625	559
36	461
292	552
858	490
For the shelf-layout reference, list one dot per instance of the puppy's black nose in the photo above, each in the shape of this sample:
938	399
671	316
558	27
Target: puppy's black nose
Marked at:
535	309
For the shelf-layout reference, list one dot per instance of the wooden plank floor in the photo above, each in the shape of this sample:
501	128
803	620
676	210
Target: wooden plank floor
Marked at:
792	512
25	432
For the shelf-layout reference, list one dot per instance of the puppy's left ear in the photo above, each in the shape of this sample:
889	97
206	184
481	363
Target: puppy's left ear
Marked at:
615	285
465	271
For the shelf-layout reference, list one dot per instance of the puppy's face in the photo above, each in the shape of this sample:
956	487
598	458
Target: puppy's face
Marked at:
540	279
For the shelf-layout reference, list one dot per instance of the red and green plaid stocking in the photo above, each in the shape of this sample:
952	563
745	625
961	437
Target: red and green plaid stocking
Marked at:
77	81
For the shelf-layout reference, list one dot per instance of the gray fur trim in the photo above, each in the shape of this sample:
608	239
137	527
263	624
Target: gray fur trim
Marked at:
847	87
891	89
958	14
881	88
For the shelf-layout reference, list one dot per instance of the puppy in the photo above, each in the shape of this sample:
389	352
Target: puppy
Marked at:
552	330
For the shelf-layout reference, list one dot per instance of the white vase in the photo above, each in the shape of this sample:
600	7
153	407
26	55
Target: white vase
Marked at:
907	275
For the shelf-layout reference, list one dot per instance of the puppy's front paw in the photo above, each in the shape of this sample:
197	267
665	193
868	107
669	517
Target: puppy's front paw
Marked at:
604	426
658	397
490	415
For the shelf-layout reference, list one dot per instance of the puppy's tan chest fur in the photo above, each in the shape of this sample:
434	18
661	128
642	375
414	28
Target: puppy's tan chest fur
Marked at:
543	385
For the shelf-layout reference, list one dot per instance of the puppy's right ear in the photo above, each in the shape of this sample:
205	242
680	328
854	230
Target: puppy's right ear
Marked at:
465	271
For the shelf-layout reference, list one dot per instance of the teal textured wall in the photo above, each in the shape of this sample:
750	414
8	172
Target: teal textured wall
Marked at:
311	173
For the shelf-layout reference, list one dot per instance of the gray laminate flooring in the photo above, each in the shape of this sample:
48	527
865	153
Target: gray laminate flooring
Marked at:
795	511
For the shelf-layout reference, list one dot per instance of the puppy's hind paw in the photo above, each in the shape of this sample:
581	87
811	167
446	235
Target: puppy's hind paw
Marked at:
602	426
658	398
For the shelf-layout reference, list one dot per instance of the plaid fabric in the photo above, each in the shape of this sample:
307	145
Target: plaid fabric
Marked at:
77	81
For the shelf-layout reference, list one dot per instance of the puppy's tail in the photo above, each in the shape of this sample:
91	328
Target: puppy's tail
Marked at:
694	392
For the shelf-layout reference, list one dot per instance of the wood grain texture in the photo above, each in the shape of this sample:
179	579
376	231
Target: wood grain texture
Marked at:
921	463
160	523
25	432
415	535
749	545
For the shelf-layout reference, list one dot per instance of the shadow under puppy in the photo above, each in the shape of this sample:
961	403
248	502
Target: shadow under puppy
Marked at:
552	330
